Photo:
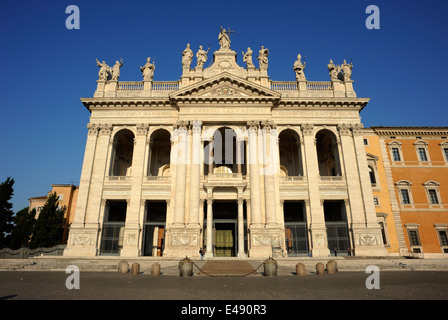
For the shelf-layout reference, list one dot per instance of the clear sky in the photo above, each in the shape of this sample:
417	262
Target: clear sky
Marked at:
47	68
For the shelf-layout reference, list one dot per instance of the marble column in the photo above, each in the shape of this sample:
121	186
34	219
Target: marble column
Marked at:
255	190
132	226
195	175
79	236
269	170
181	174
319	243
241	252
209	249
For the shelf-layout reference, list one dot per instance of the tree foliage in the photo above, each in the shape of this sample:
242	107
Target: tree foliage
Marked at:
24	222
49	227
6	213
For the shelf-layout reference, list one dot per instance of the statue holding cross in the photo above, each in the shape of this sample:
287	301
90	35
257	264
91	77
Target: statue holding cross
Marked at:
224	38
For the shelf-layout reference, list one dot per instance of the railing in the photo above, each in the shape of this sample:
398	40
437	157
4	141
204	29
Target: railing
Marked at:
165	86
225	175
319	86
331	178
292	178
130	86
158	178
121	178
284	85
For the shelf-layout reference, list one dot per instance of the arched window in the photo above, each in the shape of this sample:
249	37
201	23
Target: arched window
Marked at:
327	153
372	175
159	153
123	149
225	151
290	155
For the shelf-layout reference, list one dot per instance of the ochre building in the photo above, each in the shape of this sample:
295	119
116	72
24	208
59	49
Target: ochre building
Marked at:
416	163
227	160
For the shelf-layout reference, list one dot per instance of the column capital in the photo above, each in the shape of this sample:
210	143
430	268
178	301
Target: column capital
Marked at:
105	129
92	128
209	199
253	125
182	125
240	200
344	129
357	129
196	126
307	128
142	128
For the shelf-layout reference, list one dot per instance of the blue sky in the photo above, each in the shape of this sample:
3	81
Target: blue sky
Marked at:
47	68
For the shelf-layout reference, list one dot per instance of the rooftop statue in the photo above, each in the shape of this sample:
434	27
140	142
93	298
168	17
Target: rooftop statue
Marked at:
247	58
224	39
187	57
334	71
148	69
104	72
347	70
298	68
201	55
263	57
116	70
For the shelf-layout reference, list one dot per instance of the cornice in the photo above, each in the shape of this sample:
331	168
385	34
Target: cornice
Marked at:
411	131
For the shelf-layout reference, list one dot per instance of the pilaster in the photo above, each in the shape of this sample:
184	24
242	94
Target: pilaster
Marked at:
318	232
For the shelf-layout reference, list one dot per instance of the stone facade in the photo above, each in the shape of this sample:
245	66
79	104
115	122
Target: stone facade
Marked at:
227	160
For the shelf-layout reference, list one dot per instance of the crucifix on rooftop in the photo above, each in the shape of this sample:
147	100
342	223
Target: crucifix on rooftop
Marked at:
224	38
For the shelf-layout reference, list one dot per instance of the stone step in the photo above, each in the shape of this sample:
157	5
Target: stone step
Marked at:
227	268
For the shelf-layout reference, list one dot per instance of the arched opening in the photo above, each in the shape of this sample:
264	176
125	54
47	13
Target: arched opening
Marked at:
225	154
123	150
159	153
290	154
327	153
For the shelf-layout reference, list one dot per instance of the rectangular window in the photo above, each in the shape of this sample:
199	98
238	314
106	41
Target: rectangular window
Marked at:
446	153
443	238
376	201
433	196
366	141
413	238
405	196
396	154
422	154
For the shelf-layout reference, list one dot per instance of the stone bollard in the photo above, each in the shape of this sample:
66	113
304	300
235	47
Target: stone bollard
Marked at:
320	268
300	269
135	268
155	269
186	267
270	268
123	266
335	264
331	267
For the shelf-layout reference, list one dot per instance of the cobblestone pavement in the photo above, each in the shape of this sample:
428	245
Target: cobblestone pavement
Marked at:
401	285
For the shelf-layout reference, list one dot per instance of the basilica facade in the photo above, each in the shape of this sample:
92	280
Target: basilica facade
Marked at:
226	160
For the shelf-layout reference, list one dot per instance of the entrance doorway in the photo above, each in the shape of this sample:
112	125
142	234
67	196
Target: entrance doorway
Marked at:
225	228
337	227
154	229
225	239
296	230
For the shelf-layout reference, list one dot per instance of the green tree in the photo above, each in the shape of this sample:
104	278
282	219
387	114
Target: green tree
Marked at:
23	228
6	213
49	225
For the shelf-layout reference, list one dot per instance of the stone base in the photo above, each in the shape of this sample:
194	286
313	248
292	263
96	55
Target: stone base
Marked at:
82	242
368	242
182	242
263	239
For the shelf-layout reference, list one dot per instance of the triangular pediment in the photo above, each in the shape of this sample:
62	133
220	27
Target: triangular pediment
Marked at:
225	86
